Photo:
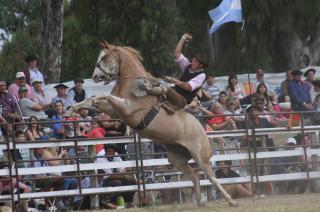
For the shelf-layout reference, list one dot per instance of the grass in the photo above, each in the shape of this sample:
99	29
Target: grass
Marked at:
283	203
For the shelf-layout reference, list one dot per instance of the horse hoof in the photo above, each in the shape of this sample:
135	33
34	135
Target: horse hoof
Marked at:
233	203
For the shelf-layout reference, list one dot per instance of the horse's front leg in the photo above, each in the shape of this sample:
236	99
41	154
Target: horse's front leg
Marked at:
86	103
119	104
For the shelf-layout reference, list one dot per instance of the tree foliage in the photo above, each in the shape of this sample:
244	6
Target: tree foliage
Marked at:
273	30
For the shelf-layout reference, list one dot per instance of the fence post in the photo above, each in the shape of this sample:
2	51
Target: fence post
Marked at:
94	199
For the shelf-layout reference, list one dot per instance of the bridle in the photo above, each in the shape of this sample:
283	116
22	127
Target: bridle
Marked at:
115	75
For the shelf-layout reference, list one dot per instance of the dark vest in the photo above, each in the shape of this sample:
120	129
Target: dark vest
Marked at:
185	77
78	97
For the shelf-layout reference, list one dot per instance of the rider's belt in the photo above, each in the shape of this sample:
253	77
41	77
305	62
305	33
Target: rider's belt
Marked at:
148	118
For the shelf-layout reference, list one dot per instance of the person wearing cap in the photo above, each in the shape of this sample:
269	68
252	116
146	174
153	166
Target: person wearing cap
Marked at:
31	71
63	96
20	81
299	92
77	93
191	80
29	107
42	98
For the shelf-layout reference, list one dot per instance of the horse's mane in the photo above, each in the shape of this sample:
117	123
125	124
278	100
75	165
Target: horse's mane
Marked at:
133	51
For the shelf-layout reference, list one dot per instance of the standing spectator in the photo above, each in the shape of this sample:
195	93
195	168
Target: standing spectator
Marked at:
20	81
309	75
316	102
28	107
299	92
42	98
9	109
63	96
233	89
77	93
284	86
211	88
32	72
235	190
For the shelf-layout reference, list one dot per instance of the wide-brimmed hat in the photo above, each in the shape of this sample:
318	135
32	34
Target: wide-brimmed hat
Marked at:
201	58
61	85
20	75
309	70
30	58
22	89
78	80
296	72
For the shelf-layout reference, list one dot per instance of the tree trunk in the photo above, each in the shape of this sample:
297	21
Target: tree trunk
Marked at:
51	42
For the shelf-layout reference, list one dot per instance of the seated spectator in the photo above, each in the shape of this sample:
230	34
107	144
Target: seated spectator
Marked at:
72	129
77	93
114	180
20	81
284	86
24	153
235	190
218	122
47	182
222	99
34	131
42	98
260	79
85	127
194	109
284	165
63	96
233	89
309	75
9	108
28	107
32	72
256	121
210	88
97	132
58	129
232	105
6	189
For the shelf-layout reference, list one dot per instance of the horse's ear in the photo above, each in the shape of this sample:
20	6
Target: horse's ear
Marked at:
104	44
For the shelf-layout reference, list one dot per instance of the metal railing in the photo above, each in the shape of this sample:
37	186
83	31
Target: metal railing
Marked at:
140	165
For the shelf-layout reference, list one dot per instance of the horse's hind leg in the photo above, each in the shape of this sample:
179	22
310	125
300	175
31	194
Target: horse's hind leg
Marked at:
207	169
180	161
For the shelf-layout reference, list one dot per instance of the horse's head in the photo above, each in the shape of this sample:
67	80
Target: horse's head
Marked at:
108	64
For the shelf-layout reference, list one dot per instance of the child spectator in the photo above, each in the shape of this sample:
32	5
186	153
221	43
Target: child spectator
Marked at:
85	127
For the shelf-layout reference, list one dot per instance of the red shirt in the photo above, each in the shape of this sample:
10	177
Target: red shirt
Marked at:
97	133
216	120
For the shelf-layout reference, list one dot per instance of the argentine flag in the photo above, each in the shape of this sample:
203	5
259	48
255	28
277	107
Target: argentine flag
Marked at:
227	11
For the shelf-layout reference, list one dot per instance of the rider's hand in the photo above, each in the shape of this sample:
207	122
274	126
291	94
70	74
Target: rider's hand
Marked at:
168	79
186	37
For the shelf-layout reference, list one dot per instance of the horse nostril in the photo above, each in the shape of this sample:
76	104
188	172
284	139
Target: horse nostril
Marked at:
94	76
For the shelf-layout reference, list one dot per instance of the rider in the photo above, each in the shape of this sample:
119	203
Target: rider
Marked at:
191	80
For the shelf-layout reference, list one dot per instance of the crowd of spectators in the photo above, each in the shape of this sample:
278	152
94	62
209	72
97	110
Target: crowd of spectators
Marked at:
26	102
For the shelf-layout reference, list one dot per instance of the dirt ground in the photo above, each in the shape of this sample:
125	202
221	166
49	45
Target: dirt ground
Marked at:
283	203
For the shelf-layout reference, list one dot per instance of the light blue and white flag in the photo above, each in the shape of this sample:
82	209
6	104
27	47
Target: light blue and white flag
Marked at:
227	11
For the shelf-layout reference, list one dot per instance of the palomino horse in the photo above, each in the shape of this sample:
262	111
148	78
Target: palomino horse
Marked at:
180	133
